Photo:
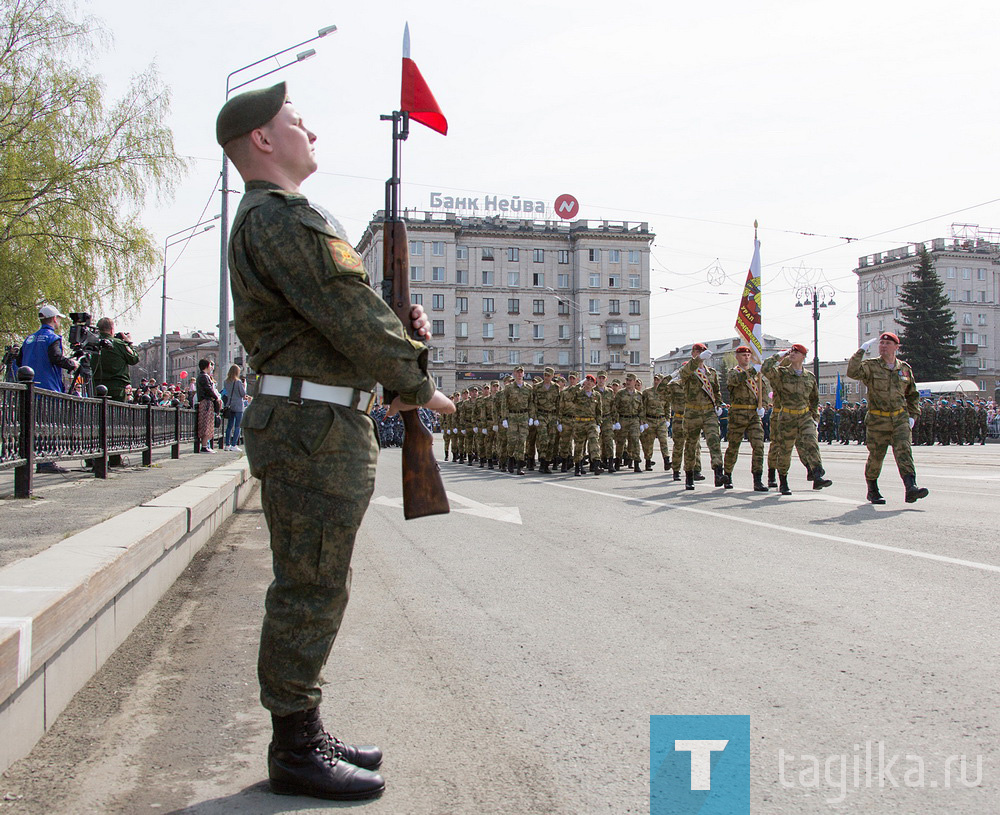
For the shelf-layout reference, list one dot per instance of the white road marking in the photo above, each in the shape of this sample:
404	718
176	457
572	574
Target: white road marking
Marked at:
509	515
970	564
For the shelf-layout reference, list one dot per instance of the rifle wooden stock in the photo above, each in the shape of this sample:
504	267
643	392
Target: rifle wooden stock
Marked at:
423	490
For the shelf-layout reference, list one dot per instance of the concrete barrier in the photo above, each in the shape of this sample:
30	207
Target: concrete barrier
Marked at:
64	611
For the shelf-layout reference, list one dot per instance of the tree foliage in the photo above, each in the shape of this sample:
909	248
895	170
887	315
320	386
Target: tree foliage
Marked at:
76	168
928	338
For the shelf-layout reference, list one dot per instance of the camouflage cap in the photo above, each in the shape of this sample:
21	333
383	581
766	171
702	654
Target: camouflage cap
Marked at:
247	111
548	370
575	374
519	368
602	373
616	381
630	377
495	383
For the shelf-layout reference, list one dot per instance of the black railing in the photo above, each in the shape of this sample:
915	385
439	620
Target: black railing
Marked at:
39	426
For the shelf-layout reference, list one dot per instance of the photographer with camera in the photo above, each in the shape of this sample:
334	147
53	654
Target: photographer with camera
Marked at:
112	360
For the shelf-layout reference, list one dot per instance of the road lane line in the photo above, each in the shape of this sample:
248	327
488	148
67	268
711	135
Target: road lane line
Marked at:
970	564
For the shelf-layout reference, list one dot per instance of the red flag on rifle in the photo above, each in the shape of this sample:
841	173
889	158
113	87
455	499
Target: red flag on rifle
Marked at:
416	98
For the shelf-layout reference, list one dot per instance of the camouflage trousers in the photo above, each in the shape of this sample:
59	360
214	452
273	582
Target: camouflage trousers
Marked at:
566	438
584	438
530	442
697	420
316	463
607	439
793	430
677	430
492	439
885	432
657	431
627	439
545	436
447	438
517	435
744	421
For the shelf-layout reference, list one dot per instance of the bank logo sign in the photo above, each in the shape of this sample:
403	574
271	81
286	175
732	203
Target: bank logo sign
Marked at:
699	765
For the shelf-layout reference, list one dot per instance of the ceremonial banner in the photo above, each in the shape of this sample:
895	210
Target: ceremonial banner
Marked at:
415	97
840	393
748	319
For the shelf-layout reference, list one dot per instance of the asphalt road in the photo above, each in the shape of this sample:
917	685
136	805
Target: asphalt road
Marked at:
508	656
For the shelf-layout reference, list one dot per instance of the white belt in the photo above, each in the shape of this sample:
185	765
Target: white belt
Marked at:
272	385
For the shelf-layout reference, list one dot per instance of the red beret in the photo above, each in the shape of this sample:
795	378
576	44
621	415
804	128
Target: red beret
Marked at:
743	348
591	377
699	346
800	348
888	335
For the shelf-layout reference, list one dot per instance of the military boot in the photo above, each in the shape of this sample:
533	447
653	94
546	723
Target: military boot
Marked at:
565	465
543	466
689	480
727	480
649	464
874	496
677	475
445	455
784	484
720	477
531	463
635	466
595	466
818	481
698	476
471	459
520	467
758	483
492	461
666	464
510	465
578	468
913	492
482	463
303	759
618	464
771	482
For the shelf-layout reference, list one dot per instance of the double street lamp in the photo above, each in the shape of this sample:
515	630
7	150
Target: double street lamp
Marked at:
224	251
822	296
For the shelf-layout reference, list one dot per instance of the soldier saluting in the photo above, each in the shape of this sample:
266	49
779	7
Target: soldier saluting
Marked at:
894	405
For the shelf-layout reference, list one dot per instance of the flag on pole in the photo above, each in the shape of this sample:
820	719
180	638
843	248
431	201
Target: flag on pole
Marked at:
415	97
748	319
840	393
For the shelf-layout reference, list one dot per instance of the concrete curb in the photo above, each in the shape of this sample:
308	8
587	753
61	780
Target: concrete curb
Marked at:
64	611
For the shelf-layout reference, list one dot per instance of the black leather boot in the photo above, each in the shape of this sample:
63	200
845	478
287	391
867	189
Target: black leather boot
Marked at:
758	483
874	496
698	476
565	465
666	465
482	463
510	465
689	480
618	464
303	759
784	484
578	468
677	475
771	482
595	466
720	477
520	467
531	463
649	464
913	492
635	466
543	466
727	480
818	481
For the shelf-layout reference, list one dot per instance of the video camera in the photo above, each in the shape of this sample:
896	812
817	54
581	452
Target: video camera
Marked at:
83	337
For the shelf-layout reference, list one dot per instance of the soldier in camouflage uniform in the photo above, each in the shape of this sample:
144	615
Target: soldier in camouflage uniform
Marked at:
654	417
544	404
514	403
746	391
982	423
627	409
827	423
702	406
895	406
796	390
321	338
586	417
447	422
607	433
566	399
675	391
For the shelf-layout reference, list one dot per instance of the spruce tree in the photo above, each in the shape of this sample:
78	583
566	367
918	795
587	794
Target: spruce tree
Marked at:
928	323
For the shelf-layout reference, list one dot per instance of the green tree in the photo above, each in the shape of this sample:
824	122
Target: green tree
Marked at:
76	168
928	338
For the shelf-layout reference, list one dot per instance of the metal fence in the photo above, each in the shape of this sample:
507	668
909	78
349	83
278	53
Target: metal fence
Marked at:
38	426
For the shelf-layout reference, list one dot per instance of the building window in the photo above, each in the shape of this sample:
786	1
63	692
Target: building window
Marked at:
633	357
438	380
462	330
967	318
487	356
614	281
594	255
595	280
539	357
564	255
418	299
537	306
437	328
513	331
564	308
967	296
982	319
488	305
966	274
538	280
614	307
951	294
633	331
462	305
462	356
595	357
633	255
437	274
980	274
461	253
538	332
634	307
487	331
437	302
564	357
982	297
950	273
416	273
487	277
983	341
416	247
538	255
968	338
513	306
512	254
462	277
487	253
616	329
615	357
513	357
513	279
635	281
595	332
564	332
614	256
563	281
595	306
437	248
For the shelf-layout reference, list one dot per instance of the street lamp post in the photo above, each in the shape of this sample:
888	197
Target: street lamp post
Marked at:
167	243
822	296
224	242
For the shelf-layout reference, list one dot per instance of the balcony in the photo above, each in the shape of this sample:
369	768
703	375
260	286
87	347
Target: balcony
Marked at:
969	350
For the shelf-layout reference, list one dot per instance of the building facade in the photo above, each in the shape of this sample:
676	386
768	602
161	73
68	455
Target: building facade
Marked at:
969	267
502	292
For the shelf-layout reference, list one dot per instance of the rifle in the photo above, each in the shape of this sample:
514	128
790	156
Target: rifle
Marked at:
423	490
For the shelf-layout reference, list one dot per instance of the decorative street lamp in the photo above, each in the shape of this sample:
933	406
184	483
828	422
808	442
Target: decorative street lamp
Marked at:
822	296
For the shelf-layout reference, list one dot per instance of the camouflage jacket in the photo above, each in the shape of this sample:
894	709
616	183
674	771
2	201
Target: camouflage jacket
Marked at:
740	393
627	405
652	405
607	403
793	390
544	400
695	395
889	389
514	399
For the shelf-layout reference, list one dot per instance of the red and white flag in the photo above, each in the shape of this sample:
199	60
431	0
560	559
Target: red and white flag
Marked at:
749	325
415	97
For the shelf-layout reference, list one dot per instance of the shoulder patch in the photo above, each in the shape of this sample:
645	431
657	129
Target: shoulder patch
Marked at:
344	256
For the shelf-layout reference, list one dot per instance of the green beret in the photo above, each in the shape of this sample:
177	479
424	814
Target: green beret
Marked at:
247	111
